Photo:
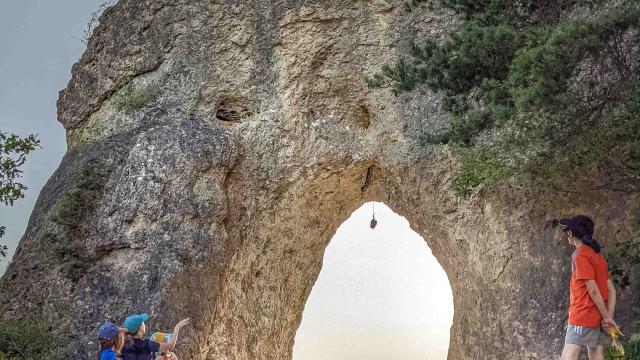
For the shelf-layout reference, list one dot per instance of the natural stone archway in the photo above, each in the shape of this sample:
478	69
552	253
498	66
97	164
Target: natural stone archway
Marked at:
214	147
381	294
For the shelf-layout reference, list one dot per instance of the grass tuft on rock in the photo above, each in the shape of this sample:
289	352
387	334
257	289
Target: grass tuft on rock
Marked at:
130	98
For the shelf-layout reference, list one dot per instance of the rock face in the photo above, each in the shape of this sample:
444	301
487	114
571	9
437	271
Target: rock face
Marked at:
215	147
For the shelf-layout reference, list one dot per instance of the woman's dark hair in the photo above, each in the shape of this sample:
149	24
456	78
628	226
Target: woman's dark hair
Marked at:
593	243
582	227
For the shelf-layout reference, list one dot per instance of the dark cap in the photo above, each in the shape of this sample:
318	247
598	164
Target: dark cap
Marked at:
580	225
108	331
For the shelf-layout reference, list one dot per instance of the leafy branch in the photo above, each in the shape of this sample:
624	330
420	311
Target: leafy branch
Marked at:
13	155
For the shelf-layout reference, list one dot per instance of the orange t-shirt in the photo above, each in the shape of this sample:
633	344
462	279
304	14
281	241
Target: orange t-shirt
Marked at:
586	264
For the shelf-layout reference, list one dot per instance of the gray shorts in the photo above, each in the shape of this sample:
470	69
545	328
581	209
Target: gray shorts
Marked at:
586	336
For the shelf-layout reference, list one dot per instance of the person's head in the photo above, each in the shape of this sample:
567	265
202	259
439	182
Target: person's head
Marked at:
579	230
135	324
111	337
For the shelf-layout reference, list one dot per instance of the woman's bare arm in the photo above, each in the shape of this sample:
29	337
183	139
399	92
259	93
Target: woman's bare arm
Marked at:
612	297
594	292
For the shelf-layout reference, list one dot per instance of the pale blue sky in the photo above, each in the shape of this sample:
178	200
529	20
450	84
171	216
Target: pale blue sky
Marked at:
38	44
381	294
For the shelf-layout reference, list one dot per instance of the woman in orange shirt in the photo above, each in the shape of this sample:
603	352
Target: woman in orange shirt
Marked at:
592	295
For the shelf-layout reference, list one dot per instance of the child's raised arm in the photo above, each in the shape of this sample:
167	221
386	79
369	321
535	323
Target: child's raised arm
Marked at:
172	343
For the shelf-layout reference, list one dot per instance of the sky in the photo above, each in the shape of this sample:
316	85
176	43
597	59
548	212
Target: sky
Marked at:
39	42
381	294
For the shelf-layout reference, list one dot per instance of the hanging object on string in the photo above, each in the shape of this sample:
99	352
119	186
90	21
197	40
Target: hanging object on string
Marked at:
373	222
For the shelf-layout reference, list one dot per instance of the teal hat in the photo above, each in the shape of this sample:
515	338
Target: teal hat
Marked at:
133	322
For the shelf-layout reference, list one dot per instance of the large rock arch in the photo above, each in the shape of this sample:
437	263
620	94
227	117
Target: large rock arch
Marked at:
214	148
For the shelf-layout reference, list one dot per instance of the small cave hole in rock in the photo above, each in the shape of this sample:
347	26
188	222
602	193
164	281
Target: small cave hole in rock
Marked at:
381	295
232	109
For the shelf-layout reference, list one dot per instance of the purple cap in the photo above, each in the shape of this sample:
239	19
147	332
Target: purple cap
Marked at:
108	331
579	225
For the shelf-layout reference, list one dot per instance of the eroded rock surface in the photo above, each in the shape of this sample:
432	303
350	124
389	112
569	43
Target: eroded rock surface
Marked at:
217	145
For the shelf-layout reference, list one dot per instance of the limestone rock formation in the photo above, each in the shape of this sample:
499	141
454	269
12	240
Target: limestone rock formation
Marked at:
215	147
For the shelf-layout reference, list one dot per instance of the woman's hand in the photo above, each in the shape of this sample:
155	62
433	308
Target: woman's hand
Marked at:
609	324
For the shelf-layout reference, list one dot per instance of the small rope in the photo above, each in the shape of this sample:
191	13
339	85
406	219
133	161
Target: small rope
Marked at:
373	222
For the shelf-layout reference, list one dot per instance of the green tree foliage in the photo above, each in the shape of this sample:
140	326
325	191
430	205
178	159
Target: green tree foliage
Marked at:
26	339
624	257
533	90
13	154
